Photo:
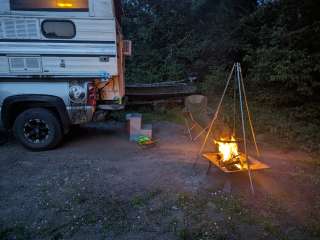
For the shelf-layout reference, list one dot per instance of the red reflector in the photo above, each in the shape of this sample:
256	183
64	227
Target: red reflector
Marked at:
92	97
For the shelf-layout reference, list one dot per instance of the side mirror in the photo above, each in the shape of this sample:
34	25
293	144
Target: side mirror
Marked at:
127	48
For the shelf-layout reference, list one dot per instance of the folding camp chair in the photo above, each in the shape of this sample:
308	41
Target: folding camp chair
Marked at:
196	115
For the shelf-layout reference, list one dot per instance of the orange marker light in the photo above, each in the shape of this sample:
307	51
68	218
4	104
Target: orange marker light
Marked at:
65	5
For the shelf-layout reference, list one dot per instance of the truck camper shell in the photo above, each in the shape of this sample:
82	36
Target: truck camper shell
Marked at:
63	40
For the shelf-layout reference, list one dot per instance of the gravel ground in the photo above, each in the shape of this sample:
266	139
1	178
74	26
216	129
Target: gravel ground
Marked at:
98	185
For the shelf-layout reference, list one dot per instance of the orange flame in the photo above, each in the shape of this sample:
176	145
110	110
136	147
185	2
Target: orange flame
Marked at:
228	148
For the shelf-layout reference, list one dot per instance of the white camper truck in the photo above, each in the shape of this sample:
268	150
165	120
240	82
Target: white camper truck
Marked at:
63	57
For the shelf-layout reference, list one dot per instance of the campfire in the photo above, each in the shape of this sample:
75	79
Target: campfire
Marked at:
230	158
229	155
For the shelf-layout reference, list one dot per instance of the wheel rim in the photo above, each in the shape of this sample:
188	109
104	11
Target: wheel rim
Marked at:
36	130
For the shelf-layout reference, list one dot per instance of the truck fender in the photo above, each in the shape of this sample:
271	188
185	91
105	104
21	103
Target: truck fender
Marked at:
35	100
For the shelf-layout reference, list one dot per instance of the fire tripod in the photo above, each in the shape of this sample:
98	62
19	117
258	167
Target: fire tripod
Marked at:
240	97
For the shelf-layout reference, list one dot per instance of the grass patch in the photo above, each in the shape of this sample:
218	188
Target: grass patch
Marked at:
171	115
221	216
205	215
18	232
142	200
280	124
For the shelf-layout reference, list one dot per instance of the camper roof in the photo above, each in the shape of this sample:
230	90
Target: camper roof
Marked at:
63	8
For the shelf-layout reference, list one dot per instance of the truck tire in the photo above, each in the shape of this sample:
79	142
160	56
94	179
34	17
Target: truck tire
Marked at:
38	129
3	137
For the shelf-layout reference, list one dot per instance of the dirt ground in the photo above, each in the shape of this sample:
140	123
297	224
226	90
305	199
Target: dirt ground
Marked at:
98	185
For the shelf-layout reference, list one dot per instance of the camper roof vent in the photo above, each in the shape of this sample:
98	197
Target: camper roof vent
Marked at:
19	28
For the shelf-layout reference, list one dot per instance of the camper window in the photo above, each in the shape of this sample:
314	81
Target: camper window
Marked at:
64	29
49	5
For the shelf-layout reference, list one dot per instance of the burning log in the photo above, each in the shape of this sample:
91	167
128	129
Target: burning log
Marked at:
229	155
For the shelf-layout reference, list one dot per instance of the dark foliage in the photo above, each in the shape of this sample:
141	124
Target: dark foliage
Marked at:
177	39
277	42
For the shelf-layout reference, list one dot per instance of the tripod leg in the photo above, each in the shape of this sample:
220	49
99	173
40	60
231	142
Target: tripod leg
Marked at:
215	115
249	116
244	128
195	162
209	168
188	129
